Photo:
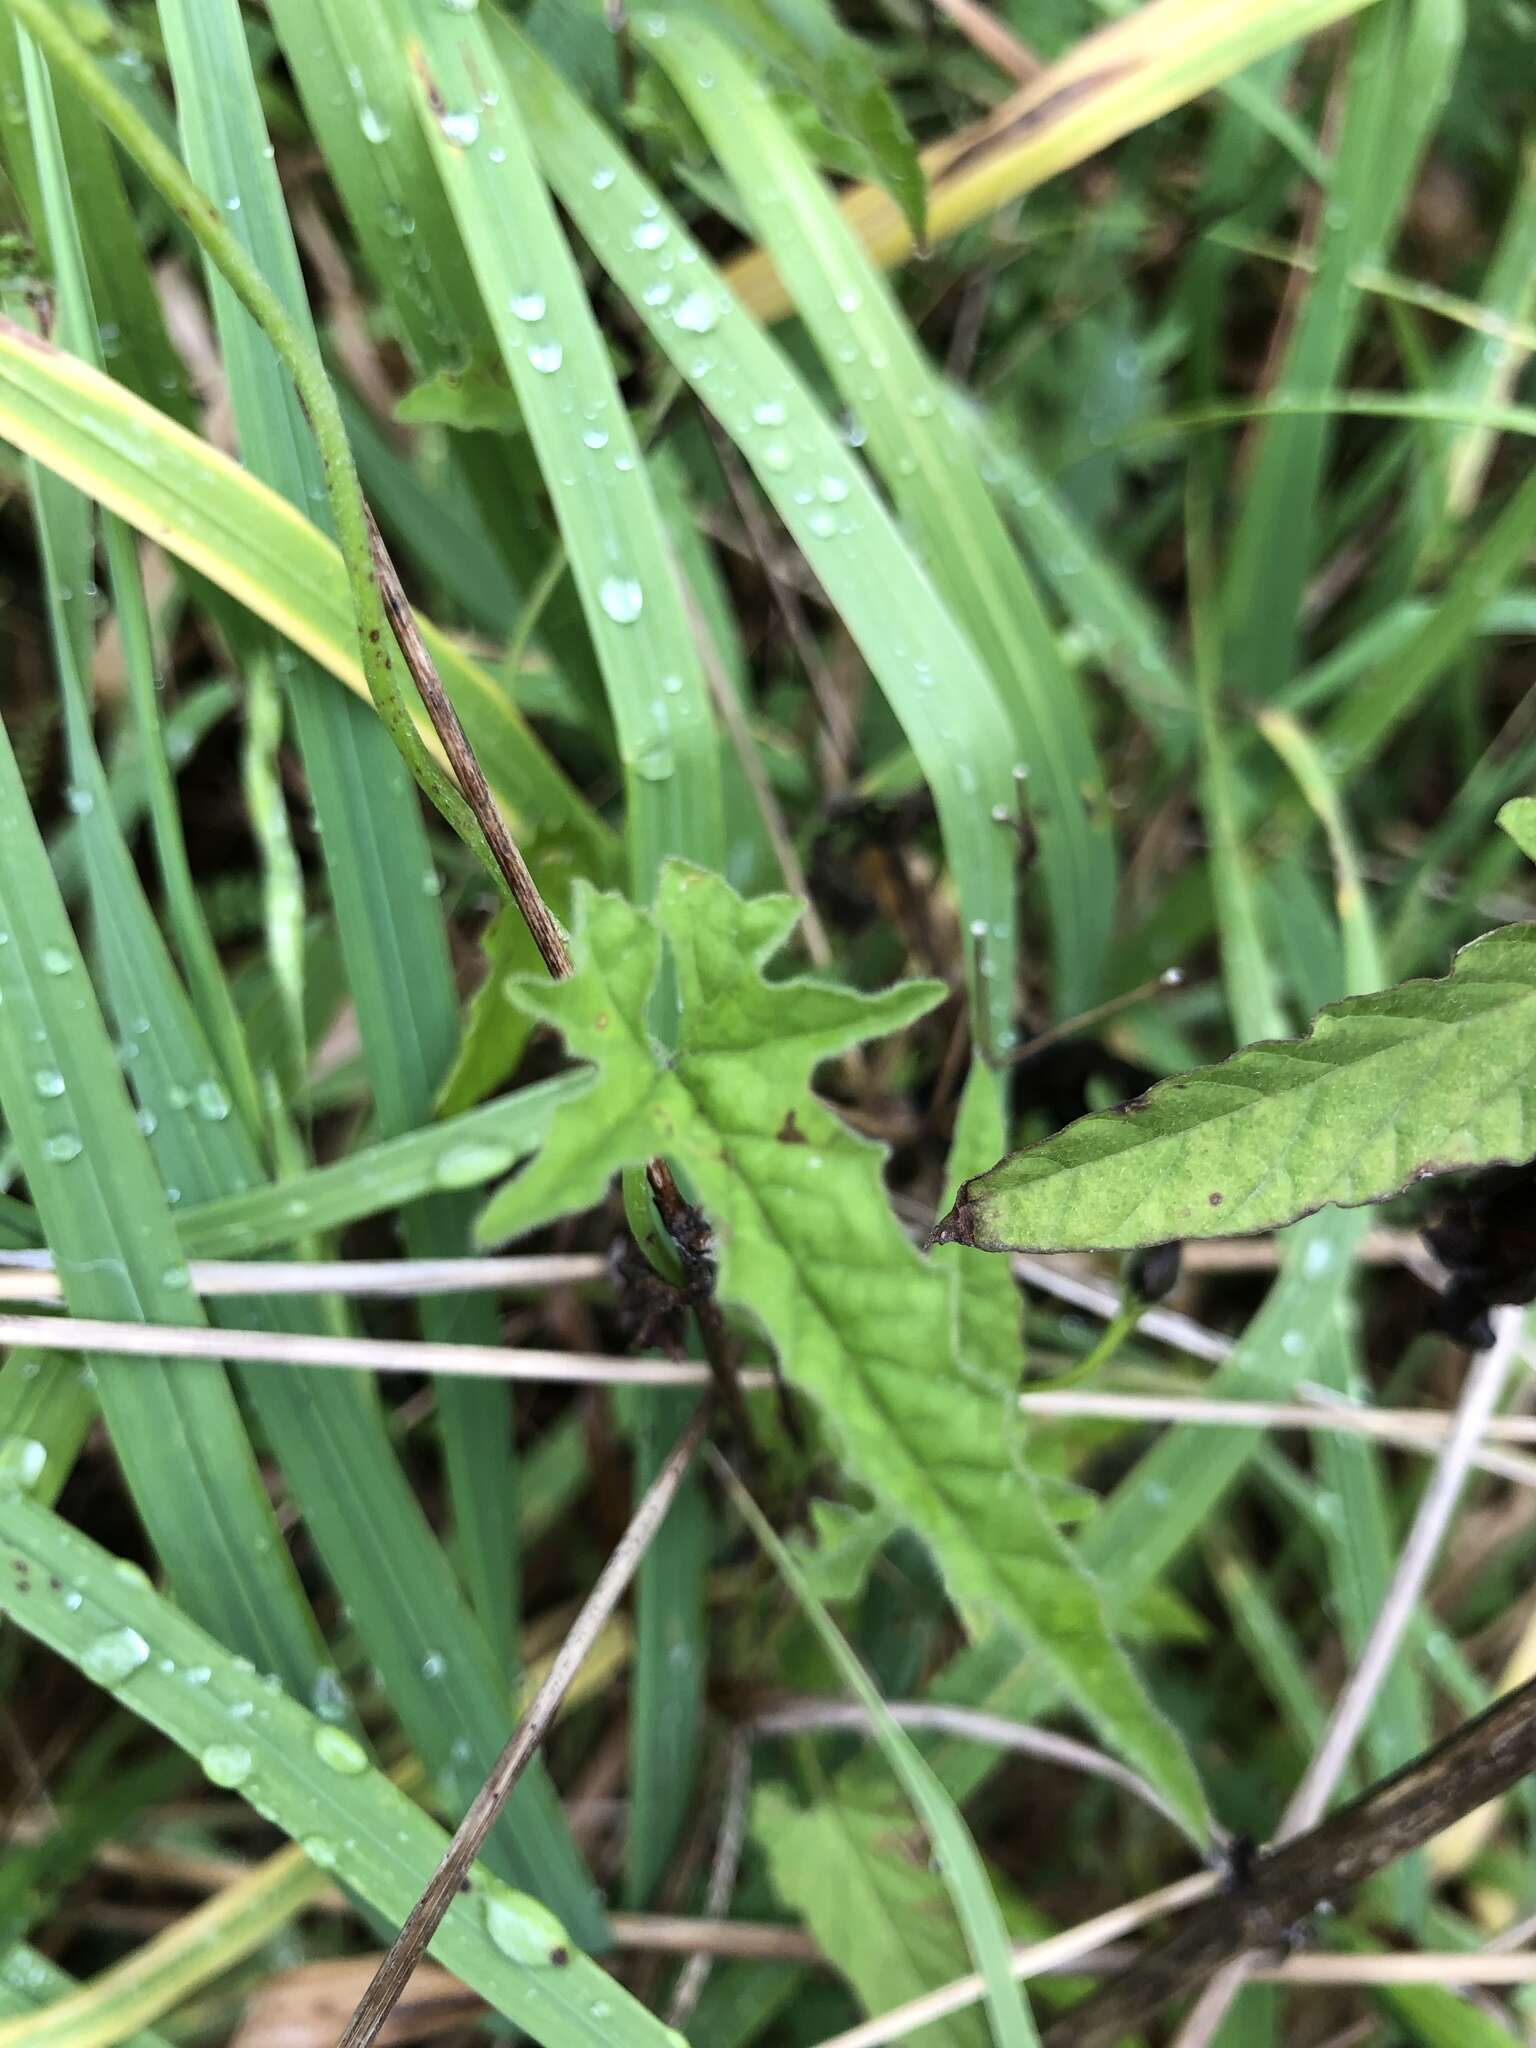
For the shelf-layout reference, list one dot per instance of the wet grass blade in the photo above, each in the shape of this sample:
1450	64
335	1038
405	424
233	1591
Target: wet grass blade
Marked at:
628	583
585	442
310	1779
930	674
182	1445
72	240
899	400
460	1152
377	861
30	1982
375	847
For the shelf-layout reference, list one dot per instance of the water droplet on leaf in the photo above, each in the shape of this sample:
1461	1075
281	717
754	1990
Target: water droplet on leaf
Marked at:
114	1656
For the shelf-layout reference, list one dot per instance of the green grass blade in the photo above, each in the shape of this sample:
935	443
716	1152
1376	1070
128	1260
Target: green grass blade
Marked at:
671	1660
345	60
30	1982
964	1873
178	1435
375	846
460	1152
1399	73
897	396
930	675
327	1430
1373	711
1361	1534
628	583
311	1780
1119	629
77	330
215	516
586	445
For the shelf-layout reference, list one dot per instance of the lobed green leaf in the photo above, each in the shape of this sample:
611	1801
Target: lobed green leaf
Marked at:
809	1245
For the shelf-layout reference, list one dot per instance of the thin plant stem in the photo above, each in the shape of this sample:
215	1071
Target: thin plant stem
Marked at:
1480	1395
426	1916
970	1724
723	1871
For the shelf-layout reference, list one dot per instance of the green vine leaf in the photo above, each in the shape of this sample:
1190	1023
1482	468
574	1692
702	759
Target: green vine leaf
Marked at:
809	1245
859	1873
1425	1078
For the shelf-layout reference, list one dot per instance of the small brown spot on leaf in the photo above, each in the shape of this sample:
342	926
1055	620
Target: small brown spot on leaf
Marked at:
600	1021
789	1132
559	1957
1216	1198
418	62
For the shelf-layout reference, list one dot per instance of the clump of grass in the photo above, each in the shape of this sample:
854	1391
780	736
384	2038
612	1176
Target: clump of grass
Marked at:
1047	496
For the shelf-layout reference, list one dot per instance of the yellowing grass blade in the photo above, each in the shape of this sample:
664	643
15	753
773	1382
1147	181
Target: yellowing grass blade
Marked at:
1106	86
213	515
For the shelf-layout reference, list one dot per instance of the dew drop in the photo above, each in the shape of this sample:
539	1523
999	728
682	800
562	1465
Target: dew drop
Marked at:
114	1656
326	1695
48	1082
527	305
375	128
319	1851
22	1459
769	413
339	1752
697	313
210	1101
622	599
602	178
657	292
463	130
546	356
525	1931
226	1763
434	1664
776	457
648	234
654	761
62	1147
55	961
834	489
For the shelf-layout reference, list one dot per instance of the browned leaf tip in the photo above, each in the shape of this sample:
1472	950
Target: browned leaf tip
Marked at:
958	1227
